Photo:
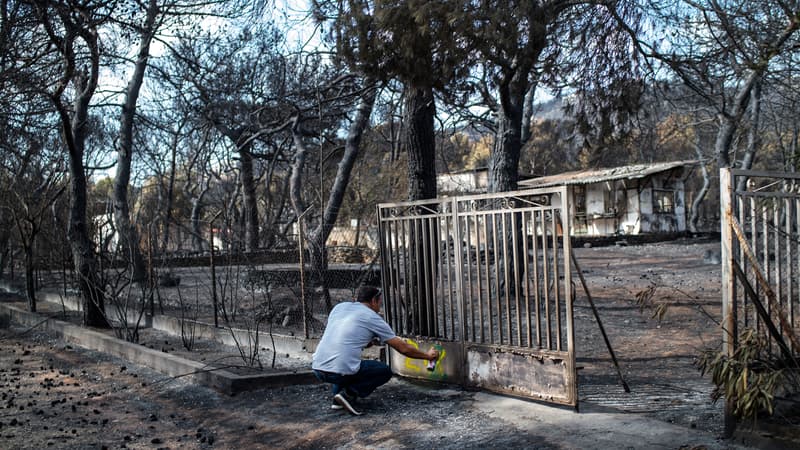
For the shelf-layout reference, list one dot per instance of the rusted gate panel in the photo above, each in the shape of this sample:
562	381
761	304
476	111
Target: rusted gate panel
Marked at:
485	278
760	237
541	375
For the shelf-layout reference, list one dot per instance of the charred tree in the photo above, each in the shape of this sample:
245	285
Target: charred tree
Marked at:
128	235
318	235
80	31
420	146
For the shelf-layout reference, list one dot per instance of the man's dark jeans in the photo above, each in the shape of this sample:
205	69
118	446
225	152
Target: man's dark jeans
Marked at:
370	375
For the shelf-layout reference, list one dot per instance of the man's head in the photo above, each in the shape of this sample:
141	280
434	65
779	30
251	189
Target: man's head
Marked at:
370	296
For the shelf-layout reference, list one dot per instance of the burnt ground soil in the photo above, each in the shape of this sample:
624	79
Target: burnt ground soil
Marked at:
54	395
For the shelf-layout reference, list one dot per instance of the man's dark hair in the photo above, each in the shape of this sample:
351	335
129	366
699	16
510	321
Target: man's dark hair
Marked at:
366	293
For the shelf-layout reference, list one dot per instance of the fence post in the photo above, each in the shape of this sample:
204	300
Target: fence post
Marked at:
728	281
300	248
459	269
212	262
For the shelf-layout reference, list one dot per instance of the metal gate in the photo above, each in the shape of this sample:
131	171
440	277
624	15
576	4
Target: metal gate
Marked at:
486	279
760	236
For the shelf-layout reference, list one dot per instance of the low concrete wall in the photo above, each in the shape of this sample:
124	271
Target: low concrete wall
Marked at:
292	345
14	288
295	346
175	366
73	303
224	381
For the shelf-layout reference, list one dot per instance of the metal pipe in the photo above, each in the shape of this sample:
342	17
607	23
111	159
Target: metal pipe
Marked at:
599	323
459	265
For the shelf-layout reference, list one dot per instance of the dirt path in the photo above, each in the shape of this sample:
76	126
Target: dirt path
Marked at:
55	396
657	357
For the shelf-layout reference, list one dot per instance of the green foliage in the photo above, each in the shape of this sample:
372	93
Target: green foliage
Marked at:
415	41
376	178
550	149
645	300
750	378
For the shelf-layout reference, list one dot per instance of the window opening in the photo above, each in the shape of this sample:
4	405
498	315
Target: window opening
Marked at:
663	201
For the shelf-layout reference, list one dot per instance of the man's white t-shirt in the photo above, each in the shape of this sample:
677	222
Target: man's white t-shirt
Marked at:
351	327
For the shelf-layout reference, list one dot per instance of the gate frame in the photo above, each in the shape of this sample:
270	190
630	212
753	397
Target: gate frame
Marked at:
468	357
735	249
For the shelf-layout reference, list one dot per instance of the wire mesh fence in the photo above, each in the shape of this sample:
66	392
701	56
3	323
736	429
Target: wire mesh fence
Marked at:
266	290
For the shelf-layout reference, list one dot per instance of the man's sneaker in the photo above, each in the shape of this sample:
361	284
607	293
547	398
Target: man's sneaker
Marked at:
336	406
343	400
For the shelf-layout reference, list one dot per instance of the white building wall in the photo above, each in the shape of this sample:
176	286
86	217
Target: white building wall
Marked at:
462	183
645	208
346	236
106	234
600	221
594	199
630	223
680	205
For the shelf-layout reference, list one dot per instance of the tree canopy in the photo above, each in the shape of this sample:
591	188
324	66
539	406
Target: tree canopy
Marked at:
199	110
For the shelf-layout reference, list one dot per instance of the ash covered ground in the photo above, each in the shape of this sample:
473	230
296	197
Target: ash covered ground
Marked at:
57	396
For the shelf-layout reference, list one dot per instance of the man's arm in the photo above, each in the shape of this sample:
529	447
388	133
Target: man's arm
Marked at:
409	350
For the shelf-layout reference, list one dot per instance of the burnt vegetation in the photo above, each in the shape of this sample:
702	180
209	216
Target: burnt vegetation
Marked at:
138	136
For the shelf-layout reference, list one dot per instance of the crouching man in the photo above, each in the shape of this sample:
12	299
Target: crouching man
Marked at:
353	326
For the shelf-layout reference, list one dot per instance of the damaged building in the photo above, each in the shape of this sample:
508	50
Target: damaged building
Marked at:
635	199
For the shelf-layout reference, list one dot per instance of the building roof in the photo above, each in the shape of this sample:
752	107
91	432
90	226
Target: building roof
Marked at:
598	175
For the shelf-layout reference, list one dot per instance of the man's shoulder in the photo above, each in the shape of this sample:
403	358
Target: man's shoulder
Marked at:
346	308
344	305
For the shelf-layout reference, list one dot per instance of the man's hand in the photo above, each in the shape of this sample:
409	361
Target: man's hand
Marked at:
433	354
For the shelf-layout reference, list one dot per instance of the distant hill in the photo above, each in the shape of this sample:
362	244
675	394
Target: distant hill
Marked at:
552	110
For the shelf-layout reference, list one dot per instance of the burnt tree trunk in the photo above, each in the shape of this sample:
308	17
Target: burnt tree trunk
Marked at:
197	210
5	237
694	218
170	200
317	238
250	200
515	93
420	143
30	276
74	127
753	136
4	253
84	259
129	238
504	161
